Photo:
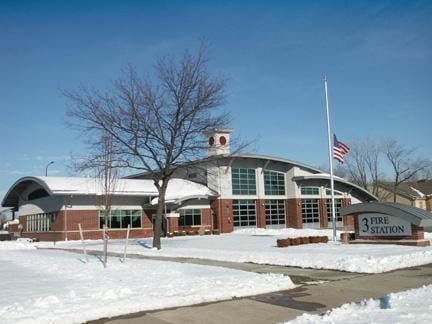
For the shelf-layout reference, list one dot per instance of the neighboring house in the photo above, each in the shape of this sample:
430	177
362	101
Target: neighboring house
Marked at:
222	192
414	193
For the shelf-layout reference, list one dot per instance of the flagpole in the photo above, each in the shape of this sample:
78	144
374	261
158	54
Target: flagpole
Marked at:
330	161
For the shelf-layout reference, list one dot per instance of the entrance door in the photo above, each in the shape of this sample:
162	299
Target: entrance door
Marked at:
310	213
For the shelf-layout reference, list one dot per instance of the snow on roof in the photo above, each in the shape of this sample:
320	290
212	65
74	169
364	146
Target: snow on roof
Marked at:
93	186
421	194
177	188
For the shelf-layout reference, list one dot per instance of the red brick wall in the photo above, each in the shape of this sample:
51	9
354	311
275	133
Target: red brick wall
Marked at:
417	233
89	220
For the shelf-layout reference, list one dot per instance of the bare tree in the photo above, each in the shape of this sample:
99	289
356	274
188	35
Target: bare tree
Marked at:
156	125
101	162
362	164
107	176
405	165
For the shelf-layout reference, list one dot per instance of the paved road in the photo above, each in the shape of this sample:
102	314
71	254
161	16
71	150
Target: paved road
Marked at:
340	288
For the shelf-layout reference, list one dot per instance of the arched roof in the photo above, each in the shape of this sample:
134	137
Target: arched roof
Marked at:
325	176
414	215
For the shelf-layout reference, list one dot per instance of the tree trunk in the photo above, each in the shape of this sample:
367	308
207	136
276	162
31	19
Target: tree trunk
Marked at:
159	216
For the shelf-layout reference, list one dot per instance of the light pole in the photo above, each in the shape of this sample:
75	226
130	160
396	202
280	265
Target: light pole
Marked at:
46	168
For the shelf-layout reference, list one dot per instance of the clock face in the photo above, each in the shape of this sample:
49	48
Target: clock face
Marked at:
211	141
222	140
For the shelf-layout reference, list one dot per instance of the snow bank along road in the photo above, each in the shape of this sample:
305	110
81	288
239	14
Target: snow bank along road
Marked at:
258	246
412	306
47	286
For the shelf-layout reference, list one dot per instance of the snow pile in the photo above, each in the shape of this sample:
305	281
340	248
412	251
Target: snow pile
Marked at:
46	286
411	306
19	244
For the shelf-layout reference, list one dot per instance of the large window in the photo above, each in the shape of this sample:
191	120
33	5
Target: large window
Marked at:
190	217
310	211
40	222
244	213
274	183
338	206
243	181
275	212
119	218
314	191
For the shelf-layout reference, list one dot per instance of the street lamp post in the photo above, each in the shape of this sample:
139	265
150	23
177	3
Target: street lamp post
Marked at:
46	168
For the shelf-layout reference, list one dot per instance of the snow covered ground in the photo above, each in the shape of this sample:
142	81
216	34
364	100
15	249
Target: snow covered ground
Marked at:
411	306
45	286
259	246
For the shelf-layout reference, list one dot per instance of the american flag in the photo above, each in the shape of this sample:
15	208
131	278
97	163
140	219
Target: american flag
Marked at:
339	150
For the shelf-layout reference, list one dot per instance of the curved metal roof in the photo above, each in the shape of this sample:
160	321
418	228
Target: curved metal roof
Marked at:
414	215
277	159
324	176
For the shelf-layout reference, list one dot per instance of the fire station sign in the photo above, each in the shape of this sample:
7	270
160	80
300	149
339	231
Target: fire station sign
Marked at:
383	225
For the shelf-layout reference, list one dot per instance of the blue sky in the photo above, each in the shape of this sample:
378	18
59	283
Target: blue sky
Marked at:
377	56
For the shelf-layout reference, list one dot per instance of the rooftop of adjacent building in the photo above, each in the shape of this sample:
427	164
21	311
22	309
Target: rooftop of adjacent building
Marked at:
412	189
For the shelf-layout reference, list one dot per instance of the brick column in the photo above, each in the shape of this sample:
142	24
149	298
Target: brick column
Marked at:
260	213
206	217
172	224
293	213
223	211
323	212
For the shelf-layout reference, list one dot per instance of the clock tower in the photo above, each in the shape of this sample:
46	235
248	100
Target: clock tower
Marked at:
219	141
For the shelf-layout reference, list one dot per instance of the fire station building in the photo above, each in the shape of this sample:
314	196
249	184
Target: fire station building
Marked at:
221	193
